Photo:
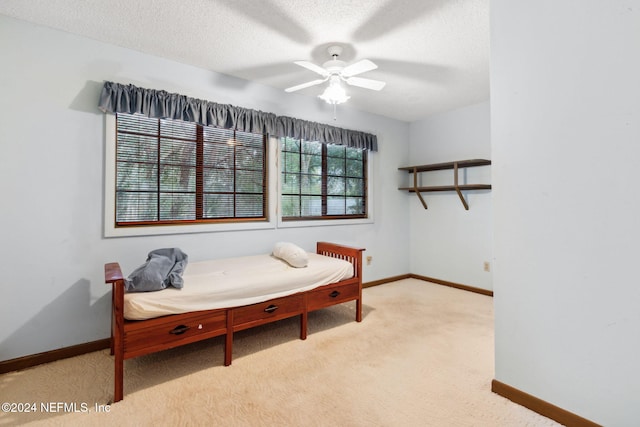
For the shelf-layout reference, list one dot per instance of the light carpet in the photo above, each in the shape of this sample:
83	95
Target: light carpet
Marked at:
422	356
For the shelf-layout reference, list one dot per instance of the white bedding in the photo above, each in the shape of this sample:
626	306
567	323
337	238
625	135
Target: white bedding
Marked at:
233	282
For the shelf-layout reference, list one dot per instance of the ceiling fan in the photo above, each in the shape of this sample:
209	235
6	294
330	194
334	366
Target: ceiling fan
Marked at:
337	71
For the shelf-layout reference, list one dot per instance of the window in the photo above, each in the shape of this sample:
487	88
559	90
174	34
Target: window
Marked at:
172	172
322	181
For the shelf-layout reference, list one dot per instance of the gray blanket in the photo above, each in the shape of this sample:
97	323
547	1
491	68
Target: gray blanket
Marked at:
164	267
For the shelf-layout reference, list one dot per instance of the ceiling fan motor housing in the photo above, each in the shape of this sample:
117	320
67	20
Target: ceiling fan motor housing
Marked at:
334	66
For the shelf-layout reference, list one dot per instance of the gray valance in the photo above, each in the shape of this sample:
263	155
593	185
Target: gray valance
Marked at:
119	98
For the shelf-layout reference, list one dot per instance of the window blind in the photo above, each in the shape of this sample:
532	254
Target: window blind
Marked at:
170	171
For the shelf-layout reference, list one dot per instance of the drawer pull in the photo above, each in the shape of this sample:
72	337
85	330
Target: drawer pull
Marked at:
271	308
334	294
179	330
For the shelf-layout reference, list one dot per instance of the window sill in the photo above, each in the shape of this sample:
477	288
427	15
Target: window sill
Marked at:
111	231
323	222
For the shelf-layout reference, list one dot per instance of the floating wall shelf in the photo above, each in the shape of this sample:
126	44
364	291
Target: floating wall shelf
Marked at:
444	166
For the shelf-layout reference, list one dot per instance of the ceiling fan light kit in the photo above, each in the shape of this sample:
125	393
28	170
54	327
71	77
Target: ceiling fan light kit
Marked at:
337	71
335	93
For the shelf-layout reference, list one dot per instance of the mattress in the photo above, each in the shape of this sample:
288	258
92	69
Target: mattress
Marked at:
233	282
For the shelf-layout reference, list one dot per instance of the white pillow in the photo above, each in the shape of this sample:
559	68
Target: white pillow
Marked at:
294	255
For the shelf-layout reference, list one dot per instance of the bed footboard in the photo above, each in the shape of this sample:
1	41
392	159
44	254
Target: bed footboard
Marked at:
354	256
347	253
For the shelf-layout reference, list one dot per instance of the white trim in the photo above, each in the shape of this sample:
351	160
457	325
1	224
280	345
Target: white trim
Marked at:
110	230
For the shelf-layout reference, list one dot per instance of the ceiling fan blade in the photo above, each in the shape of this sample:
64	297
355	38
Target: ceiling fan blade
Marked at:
313	67
358	68
365	83
304	85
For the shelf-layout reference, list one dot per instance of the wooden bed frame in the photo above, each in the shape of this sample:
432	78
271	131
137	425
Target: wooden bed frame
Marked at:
133	338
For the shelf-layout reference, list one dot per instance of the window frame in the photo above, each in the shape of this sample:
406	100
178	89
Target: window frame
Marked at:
337	220
199	192
325	196
210	225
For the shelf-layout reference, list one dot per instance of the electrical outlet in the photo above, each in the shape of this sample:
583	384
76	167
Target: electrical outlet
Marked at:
487	266
369	259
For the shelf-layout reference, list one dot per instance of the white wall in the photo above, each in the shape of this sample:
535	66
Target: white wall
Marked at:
565	125
448	242
52	180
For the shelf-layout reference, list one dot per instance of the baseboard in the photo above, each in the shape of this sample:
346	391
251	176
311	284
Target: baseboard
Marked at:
452	284
53	355
540	406
386	280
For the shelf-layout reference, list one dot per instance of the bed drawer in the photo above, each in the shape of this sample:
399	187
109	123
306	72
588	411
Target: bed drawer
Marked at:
331	295
268	311
171	331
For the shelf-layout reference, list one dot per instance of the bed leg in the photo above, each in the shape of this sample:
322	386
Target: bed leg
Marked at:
118	392
359	309
303	325
228	351
113	298
117	344
228	339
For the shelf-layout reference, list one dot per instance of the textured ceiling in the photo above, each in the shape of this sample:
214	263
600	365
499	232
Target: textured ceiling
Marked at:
433	54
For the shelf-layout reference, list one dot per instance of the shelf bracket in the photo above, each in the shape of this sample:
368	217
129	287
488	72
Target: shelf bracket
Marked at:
415	187
455	184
